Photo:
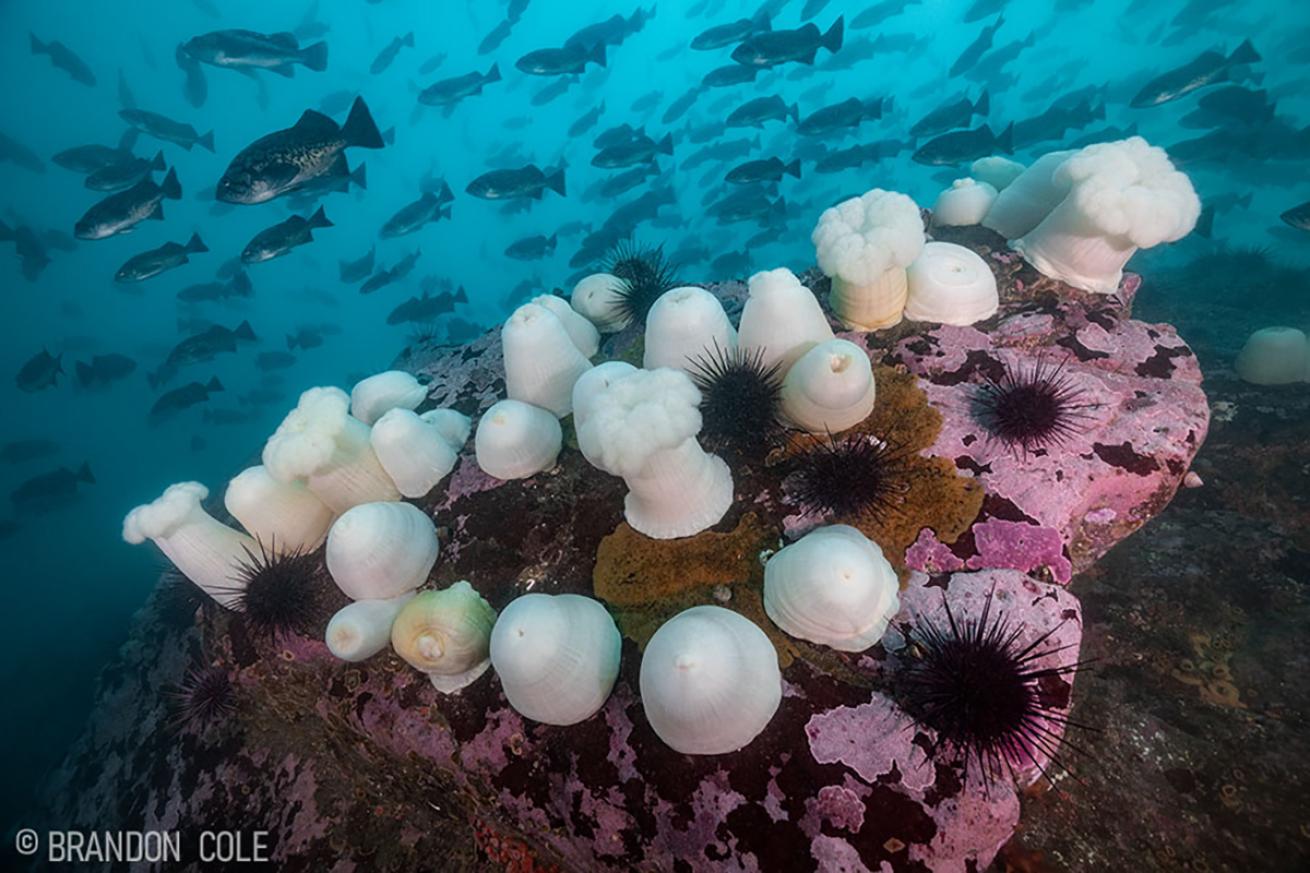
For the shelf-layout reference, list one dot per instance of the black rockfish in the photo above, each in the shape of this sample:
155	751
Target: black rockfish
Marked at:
281	238
103	370
772	47
286	159
527	181
122	211
41	371
561	61
959	146
173	402
250	50
51	489
124	174
426	209
165	128
152	262
448	92
1206	68
63	58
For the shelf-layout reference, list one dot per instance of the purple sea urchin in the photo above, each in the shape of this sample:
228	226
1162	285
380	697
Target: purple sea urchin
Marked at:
204	697
1031	410
985	693
645	274
853	475
741	401
278	592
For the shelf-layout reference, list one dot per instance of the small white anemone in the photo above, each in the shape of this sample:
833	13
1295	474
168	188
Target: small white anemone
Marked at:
864	244
580	330
371	398
362	628
781	319
684	325
321	443
951	284
597	298
282	516
830	389
415	452
996	171
1274	356
204	550
516	440
964	204
541	359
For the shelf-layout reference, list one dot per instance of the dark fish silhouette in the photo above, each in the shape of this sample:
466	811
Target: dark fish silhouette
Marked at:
21	451
281	238
103	370
526	181
413	216
238	286
275	360
981	44
1298	216
41	371
562	61
179	399
532	248
354	271
125	174
753	113
387	56
770	48
952	115
733	32
152	262
15	152
247	50
122	211
1205	69
64	59
766	170
51	489
165	128
203	346
959	146
849	113
448	92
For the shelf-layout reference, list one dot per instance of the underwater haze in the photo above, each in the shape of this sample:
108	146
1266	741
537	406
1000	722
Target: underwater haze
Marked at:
169	295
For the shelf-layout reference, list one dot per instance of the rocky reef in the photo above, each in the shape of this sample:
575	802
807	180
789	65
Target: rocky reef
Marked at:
366	767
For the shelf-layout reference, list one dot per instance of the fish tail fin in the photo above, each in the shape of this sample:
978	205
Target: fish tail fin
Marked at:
983	104
1099	112
359	129
38	47
793	169
158	162
794	111
408	40
213	384
127	141
1005	142
597	54
389	136
206	142
314	57
461	296
443	212
245	332
85	373
761	21
832	40
170	186
1244	54
84	473
666	144
319	219
359	177
555	181
196	245
493	75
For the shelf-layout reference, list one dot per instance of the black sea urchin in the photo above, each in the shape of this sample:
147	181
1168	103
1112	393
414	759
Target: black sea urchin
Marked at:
857	474
992	707
204	697
278	592
741	401
645	273
1032	410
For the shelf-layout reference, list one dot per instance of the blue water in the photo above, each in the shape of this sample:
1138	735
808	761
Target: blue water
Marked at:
72	584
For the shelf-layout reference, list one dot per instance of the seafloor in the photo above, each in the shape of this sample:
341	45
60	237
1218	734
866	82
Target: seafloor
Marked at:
1196	754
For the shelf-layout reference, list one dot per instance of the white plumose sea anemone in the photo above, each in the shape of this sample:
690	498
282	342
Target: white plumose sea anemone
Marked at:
781	319
585	390
321	443
1021	205
446	634
865	244
996	171
709	681
541	359
583	333
203	549
643	427
557	656
415	452
1274	356
282	516
362	628
684	324
832	587
371	398
597	297
951	284
964	204
377	551
830	389
516	440
1123	196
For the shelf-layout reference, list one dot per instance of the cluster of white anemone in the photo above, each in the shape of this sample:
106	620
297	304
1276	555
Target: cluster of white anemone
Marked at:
1078	216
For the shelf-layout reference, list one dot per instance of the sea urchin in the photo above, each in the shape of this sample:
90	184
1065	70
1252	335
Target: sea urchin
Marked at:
279	592
645	274
993	708
1032	410
205	696
741	401
857	474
